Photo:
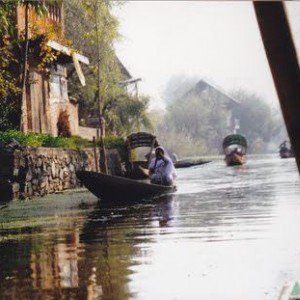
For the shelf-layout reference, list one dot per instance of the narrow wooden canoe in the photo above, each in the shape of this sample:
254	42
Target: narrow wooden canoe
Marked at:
186	163
115	188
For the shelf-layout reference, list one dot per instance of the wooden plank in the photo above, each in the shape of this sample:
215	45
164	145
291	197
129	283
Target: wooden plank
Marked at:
280	50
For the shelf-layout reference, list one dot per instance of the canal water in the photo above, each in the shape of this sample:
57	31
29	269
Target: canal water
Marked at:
227	233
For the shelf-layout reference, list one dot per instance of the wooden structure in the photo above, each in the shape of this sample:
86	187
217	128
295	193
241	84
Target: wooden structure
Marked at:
227	102
47	94
280	50
115	189
135	162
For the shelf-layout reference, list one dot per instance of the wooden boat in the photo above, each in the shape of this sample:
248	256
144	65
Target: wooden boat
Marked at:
285	151
120	189
186	163
235	147
139	161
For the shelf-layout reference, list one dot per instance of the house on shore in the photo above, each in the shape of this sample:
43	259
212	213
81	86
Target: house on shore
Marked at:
47	100
227	102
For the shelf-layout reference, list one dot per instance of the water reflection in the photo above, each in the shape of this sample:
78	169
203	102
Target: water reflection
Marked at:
234	228
112	235
86	259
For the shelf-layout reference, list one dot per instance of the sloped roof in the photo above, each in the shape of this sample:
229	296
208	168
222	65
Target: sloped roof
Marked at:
124	71
202	85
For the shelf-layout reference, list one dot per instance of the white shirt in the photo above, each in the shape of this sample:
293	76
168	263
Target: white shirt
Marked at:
163	170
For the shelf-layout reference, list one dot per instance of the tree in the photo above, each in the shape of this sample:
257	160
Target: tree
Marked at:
177	86
128	114
9	83
97	42
201	119
257	121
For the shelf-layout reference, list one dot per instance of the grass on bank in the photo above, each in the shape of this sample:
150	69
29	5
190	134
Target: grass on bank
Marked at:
46	140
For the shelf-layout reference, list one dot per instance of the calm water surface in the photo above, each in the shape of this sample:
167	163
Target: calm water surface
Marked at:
227	233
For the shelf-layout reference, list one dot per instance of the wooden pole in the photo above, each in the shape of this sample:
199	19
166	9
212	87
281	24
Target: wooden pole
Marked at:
103	160
282	57
95	154
24	120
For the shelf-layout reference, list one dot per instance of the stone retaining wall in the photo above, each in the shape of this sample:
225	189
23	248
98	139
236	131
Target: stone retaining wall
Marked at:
27	172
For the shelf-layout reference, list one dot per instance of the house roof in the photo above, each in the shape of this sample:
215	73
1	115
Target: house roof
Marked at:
202	85
71	56
124	71
67	51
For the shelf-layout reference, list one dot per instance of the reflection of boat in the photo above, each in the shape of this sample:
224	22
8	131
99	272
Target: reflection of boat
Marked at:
285	151
235	147
120	189
136	144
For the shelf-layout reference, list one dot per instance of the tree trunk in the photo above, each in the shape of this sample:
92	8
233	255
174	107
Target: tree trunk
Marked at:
23	123
103	159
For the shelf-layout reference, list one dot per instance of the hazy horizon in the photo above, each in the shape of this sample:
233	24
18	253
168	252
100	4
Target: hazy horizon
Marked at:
216	41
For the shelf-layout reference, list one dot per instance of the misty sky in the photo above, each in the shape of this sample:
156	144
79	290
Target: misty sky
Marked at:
216	41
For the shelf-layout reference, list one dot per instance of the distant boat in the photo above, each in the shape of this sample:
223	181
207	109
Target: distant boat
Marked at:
186	163
115	189
285	150
235	148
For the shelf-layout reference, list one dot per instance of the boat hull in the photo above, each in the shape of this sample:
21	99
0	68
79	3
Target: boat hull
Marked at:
234	159
186	163
235	147
286	154
120	189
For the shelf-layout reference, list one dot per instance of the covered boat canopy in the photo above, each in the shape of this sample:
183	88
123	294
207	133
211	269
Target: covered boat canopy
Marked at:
140	158
234	142
141	139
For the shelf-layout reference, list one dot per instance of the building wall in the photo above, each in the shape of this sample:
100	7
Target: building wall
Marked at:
54	18
46	100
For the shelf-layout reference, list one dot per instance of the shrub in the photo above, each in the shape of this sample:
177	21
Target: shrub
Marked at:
46	140
113	142
43	140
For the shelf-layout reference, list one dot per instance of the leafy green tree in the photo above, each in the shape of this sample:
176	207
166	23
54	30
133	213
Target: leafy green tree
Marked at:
123	113
201	118
257	121
9	84
128	114
96	31
197	123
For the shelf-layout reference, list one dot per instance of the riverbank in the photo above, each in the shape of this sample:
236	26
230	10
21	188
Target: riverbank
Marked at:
28	172
53	209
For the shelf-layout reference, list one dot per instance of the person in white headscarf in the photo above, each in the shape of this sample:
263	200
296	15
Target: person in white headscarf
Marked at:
161	168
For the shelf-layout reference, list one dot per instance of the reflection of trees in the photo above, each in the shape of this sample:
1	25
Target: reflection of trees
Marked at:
73	263
111	235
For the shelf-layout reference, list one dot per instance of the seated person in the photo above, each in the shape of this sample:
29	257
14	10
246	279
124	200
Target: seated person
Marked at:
161	168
